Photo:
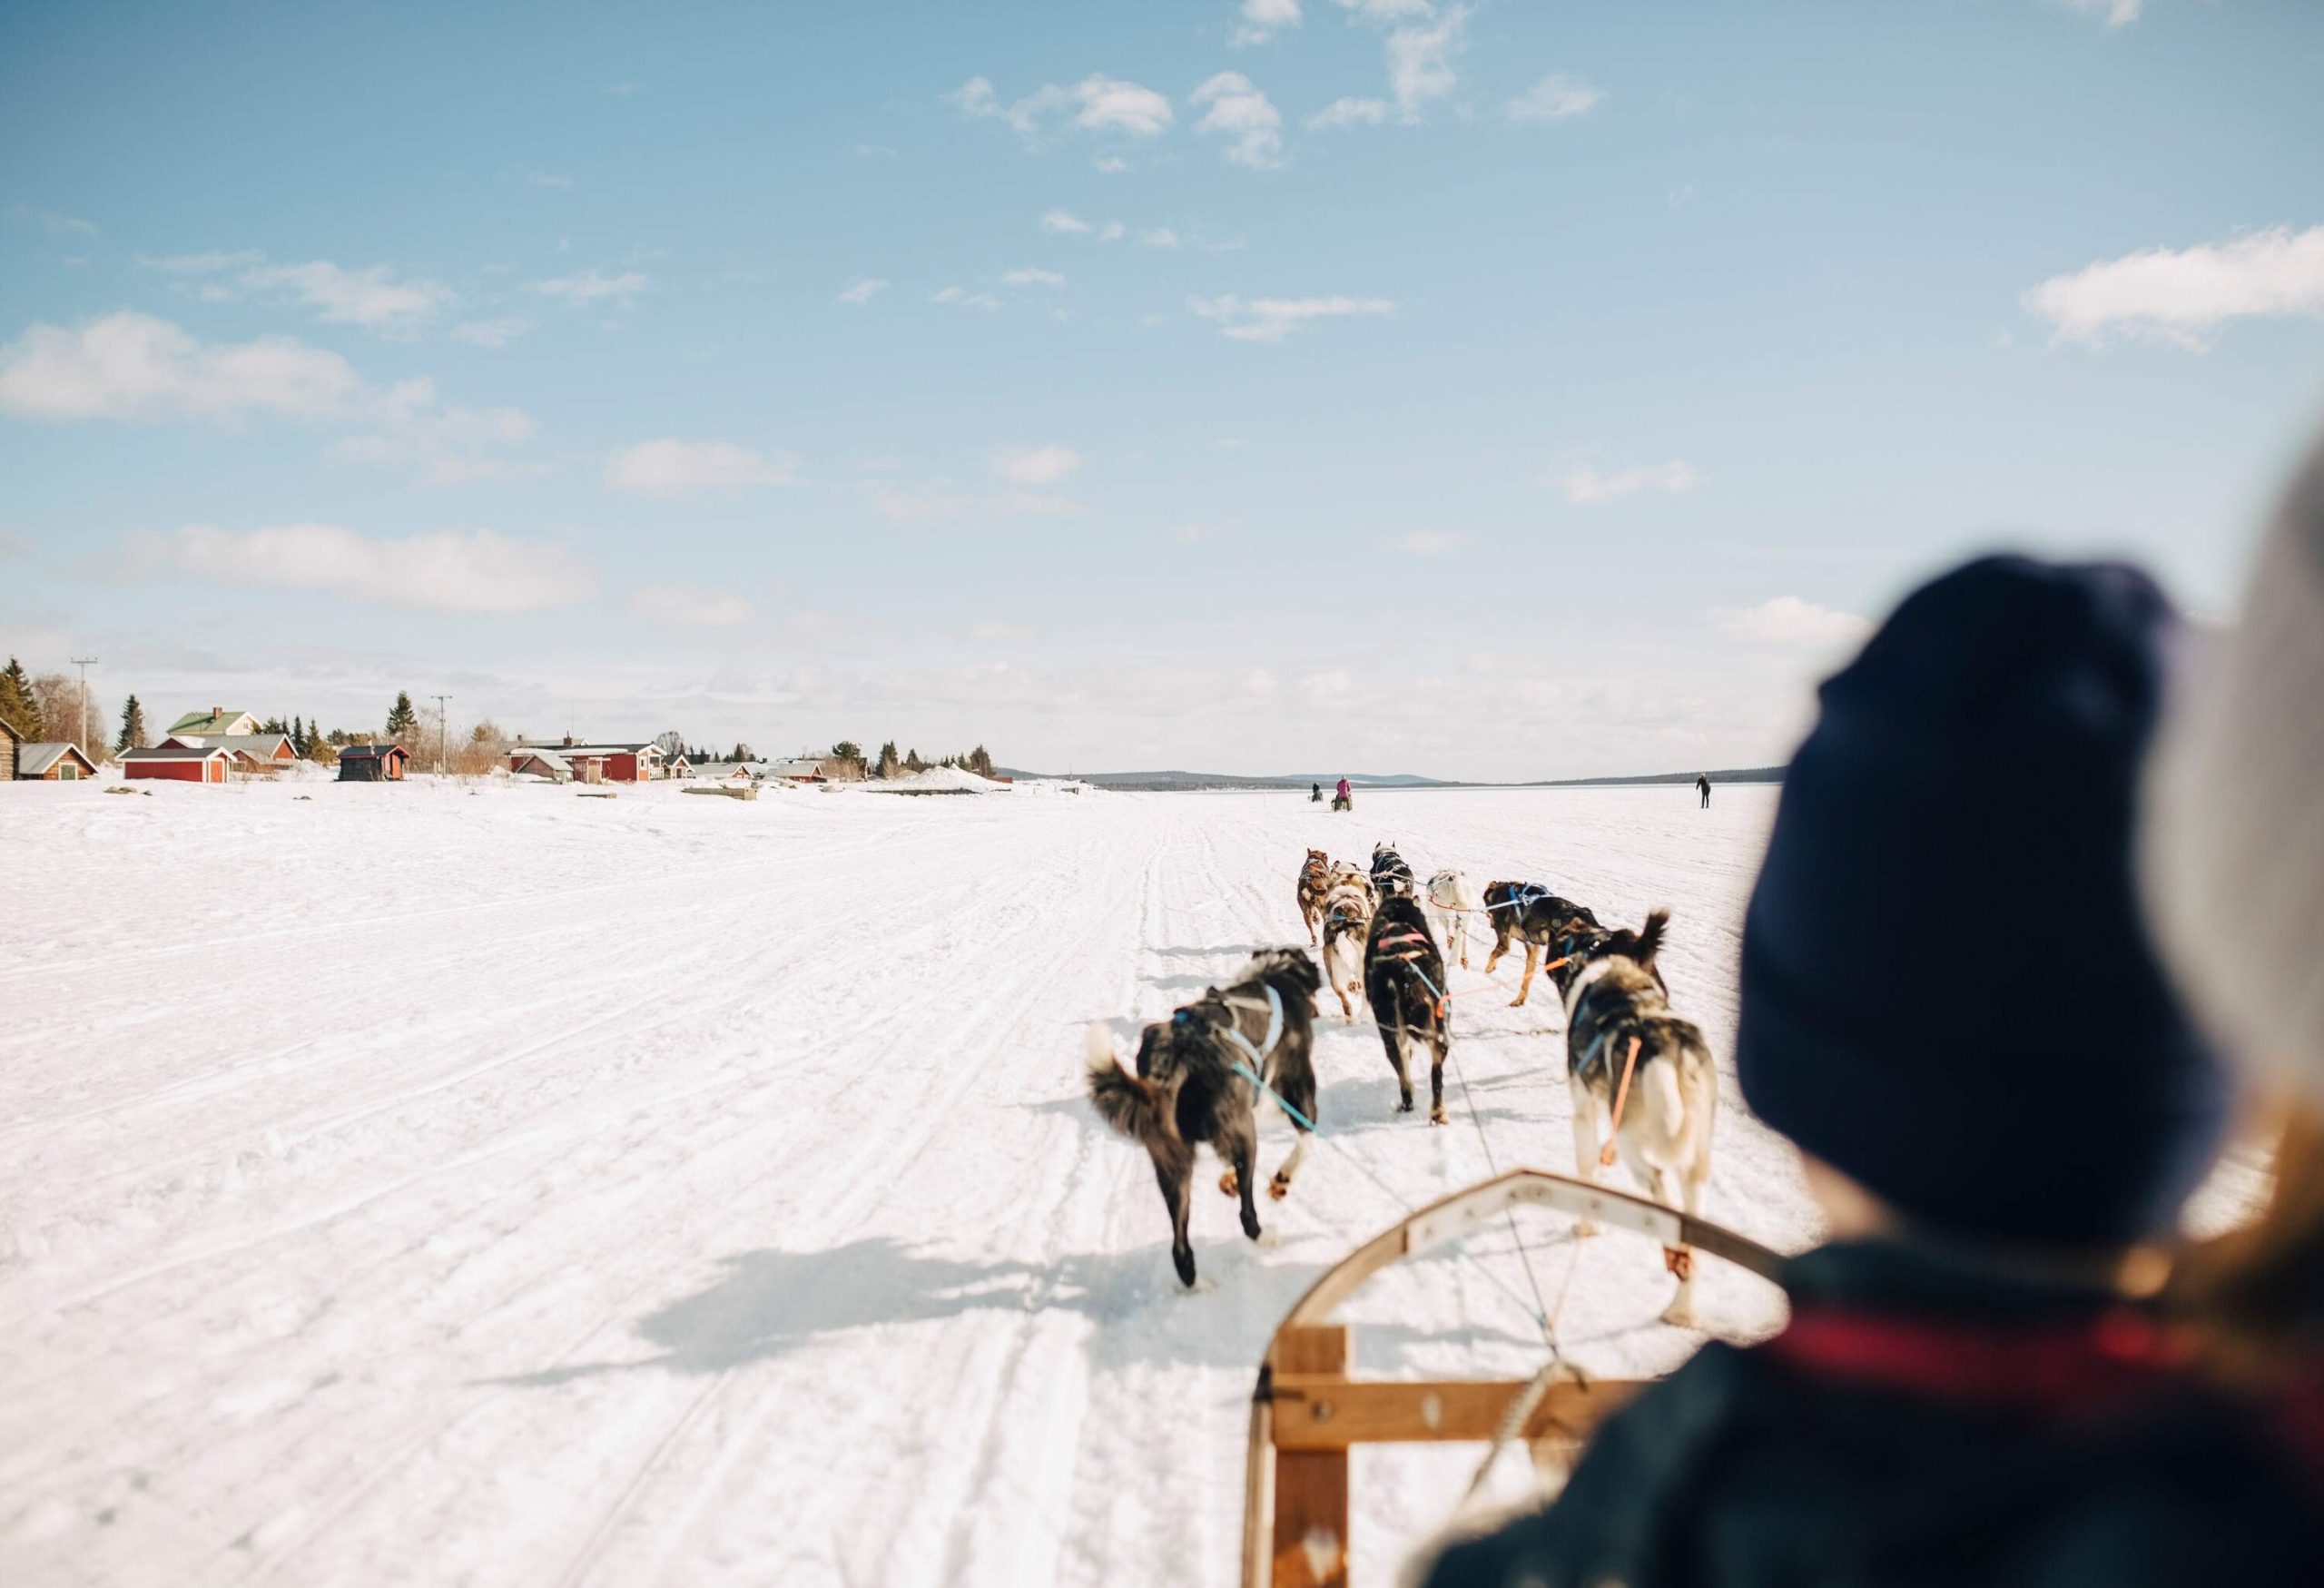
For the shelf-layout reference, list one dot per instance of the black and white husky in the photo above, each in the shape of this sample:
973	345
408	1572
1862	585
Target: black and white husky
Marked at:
1452	902
1403	976
1190	1086
1641	1076
1389	874
1530	913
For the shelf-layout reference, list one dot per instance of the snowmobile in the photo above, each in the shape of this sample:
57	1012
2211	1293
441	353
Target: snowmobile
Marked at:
1309	1411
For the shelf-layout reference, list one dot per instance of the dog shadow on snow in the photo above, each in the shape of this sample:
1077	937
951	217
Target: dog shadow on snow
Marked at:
766	1303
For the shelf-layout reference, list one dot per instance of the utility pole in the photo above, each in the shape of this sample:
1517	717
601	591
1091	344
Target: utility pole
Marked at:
84	663
441	721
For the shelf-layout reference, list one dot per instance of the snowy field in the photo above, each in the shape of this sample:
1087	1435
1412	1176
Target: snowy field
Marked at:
404	1185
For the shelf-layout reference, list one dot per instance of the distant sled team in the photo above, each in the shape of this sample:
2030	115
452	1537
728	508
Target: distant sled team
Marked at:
1644	1087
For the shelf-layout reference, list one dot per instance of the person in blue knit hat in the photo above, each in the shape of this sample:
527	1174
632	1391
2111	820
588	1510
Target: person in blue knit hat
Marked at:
1951	1005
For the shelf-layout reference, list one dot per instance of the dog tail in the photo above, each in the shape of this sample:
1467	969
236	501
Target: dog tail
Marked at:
1130	1104
1650	942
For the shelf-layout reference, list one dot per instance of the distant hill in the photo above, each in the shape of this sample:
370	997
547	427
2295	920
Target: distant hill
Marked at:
1189	782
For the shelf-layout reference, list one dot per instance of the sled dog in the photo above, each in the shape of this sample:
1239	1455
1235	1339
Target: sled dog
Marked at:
1451	903
1389	874
1531	915
1644	1087
1347	922
1403	978
1189	1088
1315	882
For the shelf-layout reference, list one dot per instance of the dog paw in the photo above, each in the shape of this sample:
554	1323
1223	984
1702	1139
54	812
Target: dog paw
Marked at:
1679	1261
1583	1228
1251	1229
1198	1287
1278	1187
1518	1001
1437	1116
1268	1240
1228	1185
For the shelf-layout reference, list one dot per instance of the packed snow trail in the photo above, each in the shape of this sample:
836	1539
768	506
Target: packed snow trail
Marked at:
404	1185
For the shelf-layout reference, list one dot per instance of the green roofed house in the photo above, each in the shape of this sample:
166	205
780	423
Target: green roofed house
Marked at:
215	722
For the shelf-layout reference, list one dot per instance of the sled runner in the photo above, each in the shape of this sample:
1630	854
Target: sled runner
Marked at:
1307	1412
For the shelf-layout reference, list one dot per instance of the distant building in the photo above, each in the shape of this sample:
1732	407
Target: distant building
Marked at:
11	742
615	762
534	761
54	763
251	752
204	764
372	763
217	722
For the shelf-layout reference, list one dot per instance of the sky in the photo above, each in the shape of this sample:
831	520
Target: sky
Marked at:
1485	390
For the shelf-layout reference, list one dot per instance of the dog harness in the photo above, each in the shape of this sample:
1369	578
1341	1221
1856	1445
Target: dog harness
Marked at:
1405	946
1274	1024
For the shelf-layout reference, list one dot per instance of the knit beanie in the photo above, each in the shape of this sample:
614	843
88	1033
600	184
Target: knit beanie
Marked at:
2233	843
1948	994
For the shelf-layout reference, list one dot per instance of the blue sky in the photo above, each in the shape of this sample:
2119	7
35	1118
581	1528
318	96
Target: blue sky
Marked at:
1496	389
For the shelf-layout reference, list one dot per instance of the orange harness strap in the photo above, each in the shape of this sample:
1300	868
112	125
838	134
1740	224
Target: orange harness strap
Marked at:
1622	1096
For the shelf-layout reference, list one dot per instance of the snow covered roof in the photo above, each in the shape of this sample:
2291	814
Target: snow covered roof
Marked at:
216	720
938	780
173	752
37	758
262	746
554	758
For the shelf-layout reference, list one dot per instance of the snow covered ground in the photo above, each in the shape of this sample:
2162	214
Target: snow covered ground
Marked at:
407	1185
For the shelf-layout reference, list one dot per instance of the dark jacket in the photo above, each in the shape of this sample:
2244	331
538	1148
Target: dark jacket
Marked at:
1922	1425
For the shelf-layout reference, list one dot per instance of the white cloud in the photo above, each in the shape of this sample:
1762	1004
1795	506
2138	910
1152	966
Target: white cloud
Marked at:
1789	621
1244	115
445	571
690	607
1111	164
1195	534
865	289
901	505
491	333
961	298
370	297
1584	484
2182	297
56	223
672	468
586	287
1349	112
1263	19
1158	237
1097	104
1270	319
1029	277
2113	13
1036	466
1112	232
443	445
1420	61
128	365
1555	98
1388	10
547	179
1429	543
204	263
1065	221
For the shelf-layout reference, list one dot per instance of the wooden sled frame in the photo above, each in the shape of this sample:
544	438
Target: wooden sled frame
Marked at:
1306	1413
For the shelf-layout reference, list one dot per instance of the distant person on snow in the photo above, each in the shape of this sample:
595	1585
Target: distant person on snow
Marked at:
1314	794
1968	1391
1341	800
1702	787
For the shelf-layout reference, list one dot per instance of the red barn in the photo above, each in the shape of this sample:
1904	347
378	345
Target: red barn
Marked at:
200	764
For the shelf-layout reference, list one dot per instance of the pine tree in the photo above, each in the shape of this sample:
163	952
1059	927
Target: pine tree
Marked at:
298	736
848	750
132	727
403	723
17	702
890	762
913	762
980	761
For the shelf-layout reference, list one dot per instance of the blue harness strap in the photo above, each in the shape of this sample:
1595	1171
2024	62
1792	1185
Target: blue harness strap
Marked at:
1275	1025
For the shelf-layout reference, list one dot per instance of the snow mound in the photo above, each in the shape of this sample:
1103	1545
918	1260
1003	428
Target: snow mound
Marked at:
946	780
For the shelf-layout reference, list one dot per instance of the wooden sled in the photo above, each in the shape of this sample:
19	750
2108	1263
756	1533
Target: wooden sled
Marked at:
1306	1413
